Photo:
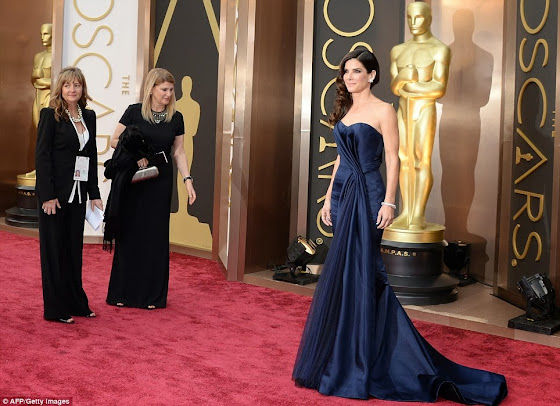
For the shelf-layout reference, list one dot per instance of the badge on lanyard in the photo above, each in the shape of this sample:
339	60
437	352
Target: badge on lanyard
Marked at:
81	168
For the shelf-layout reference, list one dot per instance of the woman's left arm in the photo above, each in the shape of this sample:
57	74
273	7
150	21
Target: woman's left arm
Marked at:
390	132
181	160
92	185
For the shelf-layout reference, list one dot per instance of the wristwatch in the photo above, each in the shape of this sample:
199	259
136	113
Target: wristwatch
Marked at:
187	178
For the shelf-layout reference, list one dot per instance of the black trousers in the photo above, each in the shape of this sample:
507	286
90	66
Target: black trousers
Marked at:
61	239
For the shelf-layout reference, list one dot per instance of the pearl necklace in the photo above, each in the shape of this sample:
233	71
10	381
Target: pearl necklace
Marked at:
75	120
159	116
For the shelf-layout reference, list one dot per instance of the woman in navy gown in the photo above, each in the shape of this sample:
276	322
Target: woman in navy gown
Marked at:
358	341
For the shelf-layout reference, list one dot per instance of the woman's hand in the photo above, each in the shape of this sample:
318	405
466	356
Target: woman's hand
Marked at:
50	206
97	203
142	163
326	212
190	191
385	216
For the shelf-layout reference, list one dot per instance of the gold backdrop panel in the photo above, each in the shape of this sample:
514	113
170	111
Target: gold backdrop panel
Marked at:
467	146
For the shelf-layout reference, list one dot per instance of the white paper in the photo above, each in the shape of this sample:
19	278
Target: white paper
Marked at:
94	217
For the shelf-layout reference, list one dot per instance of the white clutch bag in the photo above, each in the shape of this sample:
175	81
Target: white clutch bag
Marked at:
143	174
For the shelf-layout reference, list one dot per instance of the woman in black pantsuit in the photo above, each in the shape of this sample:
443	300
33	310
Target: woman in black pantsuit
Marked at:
66	164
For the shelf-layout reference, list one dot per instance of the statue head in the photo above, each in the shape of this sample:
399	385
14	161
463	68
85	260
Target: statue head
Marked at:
46	34
419	16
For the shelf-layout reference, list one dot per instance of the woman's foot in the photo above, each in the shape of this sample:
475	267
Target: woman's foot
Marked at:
120	304
151	307
91	315
66	321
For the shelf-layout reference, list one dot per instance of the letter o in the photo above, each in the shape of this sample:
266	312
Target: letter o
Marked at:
323	93
524	21
353	33
326	45
93	18
100	57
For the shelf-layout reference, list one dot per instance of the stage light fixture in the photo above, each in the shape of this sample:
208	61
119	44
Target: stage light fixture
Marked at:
457	258
539	295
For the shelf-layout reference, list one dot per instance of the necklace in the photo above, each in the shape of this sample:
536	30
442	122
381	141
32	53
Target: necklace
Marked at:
159	116
74	119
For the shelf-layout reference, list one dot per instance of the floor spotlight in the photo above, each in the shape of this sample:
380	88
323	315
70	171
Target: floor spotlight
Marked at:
457	257
539	295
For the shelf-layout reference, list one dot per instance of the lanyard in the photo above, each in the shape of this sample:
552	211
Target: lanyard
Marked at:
82	139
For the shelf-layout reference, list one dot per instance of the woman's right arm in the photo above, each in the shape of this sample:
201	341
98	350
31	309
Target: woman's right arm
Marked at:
44	162
44	155
326	210
142	163
115	137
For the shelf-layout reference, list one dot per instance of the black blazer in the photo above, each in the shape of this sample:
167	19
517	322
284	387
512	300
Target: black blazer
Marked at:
55	157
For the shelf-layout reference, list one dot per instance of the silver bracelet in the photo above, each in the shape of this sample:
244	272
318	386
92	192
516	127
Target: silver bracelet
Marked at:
394	206
187	178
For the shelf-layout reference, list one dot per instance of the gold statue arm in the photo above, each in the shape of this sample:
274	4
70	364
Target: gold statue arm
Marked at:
436	87
42	83
398	79
38	79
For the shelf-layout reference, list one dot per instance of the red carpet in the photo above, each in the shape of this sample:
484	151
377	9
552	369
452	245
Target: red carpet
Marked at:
217	343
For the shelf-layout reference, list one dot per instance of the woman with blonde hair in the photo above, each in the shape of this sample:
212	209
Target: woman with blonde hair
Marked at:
137	215
66	163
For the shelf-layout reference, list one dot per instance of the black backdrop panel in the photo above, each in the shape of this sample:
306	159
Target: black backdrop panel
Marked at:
344	24
190	50
533	142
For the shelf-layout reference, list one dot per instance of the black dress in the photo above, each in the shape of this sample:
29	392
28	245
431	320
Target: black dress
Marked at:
358	341
61	234
140	272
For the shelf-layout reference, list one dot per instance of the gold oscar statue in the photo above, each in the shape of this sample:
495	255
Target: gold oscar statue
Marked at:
412	249
41	80
419	73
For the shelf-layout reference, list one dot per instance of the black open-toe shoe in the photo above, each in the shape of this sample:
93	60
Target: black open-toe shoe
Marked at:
151	307
91	315
65	321
119	304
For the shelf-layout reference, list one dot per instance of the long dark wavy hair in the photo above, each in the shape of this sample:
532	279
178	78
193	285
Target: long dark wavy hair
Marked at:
343	99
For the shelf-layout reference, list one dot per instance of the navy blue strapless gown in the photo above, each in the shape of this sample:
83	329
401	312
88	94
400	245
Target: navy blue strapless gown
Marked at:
358	341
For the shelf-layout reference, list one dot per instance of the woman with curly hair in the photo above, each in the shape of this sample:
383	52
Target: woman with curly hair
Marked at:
358	341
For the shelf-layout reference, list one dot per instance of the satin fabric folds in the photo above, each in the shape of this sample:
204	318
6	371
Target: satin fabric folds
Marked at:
358	341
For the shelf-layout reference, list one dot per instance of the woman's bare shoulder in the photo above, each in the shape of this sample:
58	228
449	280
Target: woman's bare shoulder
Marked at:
382	107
